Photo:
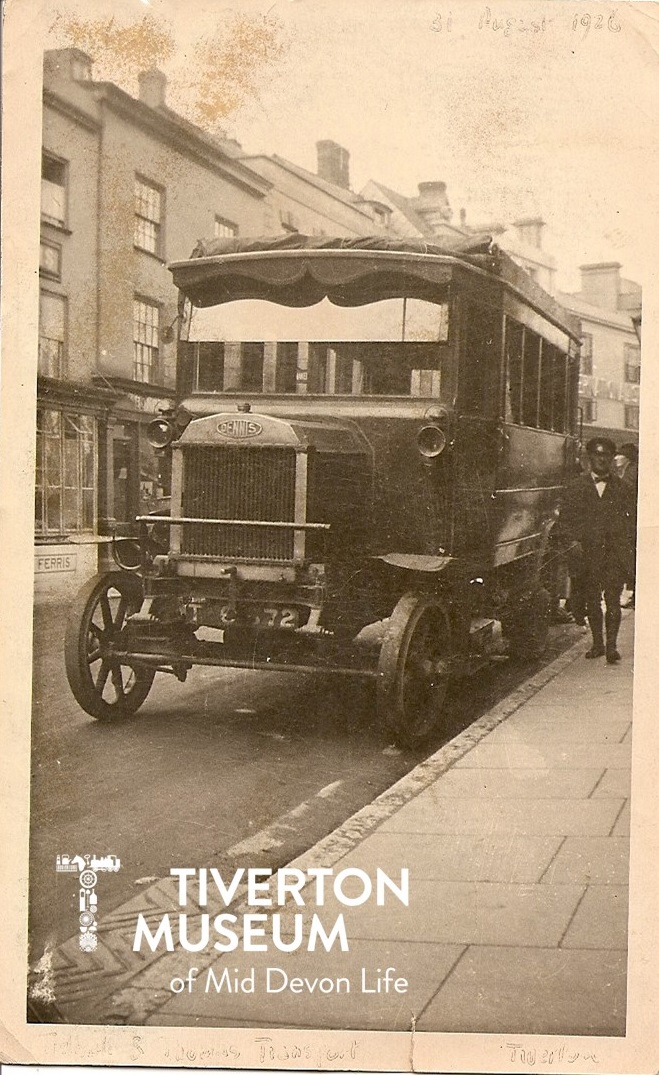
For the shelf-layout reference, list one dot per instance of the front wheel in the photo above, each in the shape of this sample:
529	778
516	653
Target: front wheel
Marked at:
102	685
413	671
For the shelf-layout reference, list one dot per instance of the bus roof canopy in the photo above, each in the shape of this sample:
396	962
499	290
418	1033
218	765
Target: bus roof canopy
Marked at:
300	270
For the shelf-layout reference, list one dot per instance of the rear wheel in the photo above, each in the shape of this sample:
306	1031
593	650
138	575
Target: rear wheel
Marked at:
527	626
104	686
413	671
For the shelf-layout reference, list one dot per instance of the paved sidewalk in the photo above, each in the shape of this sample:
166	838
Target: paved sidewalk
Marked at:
517	844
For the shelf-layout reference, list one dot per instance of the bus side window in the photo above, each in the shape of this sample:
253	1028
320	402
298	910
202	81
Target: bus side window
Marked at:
251	367
553	390
479	368
186	375
514	358
286	368
530	378
342	368
210	367
317	370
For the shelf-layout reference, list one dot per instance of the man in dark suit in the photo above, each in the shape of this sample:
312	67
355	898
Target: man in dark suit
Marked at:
627	468
596	522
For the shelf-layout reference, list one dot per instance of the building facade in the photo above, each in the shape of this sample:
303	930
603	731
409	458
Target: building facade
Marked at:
609	386
320	203
127	185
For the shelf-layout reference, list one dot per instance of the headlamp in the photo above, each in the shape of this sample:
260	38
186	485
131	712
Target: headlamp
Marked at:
431	442
160	432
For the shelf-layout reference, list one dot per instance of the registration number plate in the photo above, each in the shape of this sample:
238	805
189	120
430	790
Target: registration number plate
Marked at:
273	616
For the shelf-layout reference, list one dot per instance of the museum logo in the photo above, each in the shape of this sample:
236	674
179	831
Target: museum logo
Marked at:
87	867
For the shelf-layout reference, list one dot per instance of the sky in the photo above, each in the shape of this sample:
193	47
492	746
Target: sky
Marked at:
521	108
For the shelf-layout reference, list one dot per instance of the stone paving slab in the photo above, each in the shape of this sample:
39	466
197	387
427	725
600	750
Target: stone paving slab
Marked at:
565	729
590	860
532	991
621	827
431	813
507	859
549	755
615	784
524	784
424	966
456	912
601	919
583	685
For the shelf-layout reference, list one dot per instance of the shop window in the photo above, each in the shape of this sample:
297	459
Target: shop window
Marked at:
53	190
148	217
588	409
631	417
65	473
146	354
52	335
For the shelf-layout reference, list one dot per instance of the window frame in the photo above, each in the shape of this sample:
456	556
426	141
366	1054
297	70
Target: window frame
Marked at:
551	393
55	222
51	274
159	224
223	222
86	441
586	355
155	367
632	361
589	405
62	358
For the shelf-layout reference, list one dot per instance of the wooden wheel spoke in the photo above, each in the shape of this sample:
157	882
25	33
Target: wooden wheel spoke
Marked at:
121	612
106	611
118	681
102	677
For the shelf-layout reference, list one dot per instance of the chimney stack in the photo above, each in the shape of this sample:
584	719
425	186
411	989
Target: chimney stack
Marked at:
600	284
67	63
333	163
530	230
433	204
152	88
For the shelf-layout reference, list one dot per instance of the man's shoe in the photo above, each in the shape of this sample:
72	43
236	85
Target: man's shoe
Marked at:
612	656
594	651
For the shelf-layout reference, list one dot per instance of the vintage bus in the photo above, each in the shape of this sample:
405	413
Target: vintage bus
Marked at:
367	452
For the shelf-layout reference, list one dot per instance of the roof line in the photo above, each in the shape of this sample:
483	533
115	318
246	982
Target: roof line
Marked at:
168	123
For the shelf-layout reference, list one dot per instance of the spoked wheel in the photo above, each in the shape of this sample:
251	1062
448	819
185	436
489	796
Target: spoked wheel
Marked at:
103	686
413	671
527	626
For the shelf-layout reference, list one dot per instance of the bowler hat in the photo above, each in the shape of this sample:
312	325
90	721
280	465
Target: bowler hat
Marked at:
601	444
